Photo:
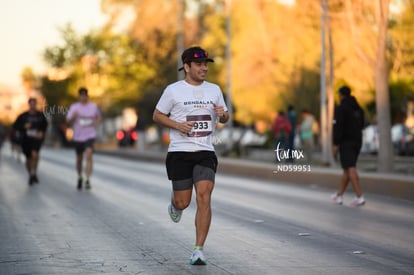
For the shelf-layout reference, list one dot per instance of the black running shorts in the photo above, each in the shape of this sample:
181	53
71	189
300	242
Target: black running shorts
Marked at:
31	144
80	146
348	154
186	168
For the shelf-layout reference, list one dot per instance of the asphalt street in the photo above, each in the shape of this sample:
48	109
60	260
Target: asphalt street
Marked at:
121	225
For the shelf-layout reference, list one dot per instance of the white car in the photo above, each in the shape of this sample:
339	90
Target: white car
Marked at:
402	139
243	137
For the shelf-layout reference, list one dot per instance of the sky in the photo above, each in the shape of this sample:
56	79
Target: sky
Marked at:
27	27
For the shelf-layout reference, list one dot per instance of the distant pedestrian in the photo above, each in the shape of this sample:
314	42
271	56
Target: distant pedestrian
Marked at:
348	125
31	126
85	117
316	134
191	108
281	128
291	114
306	134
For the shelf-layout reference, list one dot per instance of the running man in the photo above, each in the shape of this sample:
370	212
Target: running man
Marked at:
32	127
191	108
85	117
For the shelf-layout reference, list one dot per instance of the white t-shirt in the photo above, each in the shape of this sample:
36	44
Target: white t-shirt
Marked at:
186	102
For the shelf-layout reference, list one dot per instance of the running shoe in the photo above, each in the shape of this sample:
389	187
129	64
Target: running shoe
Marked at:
80	183
358	201
175	214
197	258
336	199
88	184
35	179
31	180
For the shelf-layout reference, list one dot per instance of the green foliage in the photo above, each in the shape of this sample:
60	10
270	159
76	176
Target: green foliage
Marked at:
401	92
304	91
28	75
29	78
57	92
402	42
58	100
111	66
275	54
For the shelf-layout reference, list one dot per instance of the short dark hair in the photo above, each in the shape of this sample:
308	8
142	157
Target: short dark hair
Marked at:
83	91
345	90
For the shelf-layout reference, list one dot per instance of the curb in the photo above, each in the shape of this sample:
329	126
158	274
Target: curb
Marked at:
392	185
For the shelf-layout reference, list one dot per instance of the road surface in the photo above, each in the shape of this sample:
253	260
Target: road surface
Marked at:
121	225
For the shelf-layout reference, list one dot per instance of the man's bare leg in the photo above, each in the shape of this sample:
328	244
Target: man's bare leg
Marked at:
203	216
344	182
353	176
79	160
89	162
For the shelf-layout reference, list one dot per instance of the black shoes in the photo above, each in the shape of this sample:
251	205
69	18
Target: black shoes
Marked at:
33	179
87	184
80	180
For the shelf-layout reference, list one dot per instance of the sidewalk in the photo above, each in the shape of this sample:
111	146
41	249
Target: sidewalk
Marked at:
394	185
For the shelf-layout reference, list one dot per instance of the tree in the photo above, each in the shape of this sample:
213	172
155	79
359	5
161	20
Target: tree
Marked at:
29	79
107	63
275	52
402	54
153	28
375	16
327	101
385	154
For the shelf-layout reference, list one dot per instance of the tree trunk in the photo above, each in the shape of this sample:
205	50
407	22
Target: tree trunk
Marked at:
330	92
323	129
385	154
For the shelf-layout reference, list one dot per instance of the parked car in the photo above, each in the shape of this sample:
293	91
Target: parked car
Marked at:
402	139
370	140
126	137
242	137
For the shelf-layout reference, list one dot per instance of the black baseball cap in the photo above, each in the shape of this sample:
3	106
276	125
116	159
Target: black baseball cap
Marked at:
197	54
83	91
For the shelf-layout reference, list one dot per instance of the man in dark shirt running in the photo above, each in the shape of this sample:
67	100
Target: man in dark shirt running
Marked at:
32	125
348	125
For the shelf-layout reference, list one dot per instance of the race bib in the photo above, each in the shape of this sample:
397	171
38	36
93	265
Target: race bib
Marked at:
31	133
203	125
85	121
